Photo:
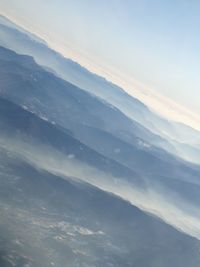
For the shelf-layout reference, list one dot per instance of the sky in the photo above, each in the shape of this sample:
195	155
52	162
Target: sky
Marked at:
150	48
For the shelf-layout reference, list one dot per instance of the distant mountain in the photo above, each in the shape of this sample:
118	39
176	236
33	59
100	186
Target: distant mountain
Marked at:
178	135
5	21
86	177
77	123
26	83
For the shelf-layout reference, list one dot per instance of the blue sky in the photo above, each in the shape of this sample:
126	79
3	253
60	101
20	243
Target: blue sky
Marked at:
153	42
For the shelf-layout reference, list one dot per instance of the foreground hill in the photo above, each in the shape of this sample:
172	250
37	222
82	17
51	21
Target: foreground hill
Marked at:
48	221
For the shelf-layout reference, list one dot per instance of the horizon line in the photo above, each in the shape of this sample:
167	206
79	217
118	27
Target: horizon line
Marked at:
155	101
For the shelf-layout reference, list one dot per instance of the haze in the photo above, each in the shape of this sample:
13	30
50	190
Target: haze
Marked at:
136	44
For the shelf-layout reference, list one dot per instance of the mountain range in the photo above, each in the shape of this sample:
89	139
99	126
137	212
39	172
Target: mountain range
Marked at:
89	175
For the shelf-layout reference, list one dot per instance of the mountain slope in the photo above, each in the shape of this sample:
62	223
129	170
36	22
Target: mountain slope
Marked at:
35	88
136	166
177	134
47	221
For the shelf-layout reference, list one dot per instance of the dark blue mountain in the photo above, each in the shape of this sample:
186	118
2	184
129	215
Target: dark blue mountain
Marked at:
48	221
85	179
75	122
184	141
